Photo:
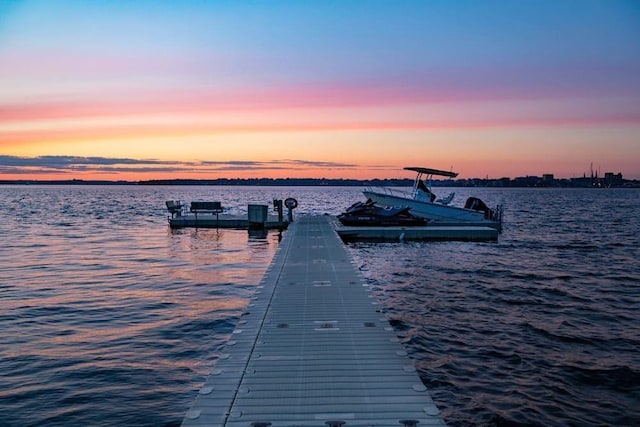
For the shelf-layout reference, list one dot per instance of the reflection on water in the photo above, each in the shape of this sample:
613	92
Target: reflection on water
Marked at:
108	316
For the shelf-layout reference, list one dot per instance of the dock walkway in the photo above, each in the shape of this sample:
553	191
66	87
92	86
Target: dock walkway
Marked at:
313	349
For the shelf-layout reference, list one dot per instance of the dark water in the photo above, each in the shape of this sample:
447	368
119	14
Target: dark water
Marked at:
542	328
109	318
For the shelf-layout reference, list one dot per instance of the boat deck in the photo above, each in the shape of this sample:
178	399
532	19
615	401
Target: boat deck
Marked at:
313	349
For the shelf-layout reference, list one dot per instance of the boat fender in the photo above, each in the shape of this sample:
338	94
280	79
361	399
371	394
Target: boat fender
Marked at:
291	203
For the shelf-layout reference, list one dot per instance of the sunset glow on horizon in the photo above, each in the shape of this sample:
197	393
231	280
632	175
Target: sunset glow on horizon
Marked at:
160	90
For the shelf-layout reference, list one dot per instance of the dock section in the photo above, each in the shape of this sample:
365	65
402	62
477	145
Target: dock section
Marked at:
210	215
465	233
224	221
313	349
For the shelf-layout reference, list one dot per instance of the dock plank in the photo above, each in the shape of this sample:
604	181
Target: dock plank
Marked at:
313	347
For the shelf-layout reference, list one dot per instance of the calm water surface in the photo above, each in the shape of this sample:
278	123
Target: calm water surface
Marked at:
110	318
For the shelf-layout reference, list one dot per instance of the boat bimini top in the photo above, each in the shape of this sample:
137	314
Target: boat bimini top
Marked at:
430	171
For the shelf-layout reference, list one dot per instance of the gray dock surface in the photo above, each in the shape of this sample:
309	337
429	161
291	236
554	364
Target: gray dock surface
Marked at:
313	349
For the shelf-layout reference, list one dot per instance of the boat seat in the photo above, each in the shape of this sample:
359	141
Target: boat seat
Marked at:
446	200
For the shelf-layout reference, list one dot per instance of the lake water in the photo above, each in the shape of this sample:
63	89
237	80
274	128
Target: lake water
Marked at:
110	318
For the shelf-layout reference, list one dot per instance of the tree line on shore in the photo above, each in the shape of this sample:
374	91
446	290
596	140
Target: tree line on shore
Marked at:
528	181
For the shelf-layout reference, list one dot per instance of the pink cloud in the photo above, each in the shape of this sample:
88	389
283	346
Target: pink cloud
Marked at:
441	99
214	100
284	124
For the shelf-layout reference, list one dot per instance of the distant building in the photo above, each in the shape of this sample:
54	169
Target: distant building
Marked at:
613	180
526	181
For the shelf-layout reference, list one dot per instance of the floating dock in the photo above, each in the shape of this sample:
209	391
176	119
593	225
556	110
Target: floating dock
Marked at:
313	349
208	220
209	215
467	233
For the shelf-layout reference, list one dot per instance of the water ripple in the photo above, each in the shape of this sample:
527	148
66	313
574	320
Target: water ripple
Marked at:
538	329
111	318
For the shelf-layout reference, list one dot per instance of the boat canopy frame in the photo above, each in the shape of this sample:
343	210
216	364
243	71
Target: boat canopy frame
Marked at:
429	172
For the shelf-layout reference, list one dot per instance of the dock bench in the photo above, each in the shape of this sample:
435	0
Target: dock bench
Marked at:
206	207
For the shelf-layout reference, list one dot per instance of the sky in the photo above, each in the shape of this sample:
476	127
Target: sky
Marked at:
123	90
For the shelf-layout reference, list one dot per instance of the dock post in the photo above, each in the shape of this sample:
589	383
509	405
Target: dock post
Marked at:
277	206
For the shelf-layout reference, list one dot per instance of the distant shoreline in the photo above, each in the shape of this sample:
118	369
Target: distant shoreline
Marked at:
521	182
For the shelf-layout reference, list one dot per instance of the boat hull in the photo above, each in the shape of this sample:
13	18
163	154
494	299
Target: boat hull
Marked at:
434	212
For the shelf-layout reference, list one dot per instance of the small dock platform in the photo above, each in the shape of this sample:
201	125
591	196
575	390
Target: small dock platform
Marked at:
313	349
208	220
210	215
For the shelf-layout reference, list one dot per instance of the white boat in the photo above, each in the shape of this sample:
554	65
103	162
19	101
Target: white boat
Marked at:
423	202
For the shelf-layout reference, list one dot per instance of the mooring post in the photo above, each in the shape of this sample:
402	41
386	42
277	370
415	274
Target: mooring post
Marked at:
277	206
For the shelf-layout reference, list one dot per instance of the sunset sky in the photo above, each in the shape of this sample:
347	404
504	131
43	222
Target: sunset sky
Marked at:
337	89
